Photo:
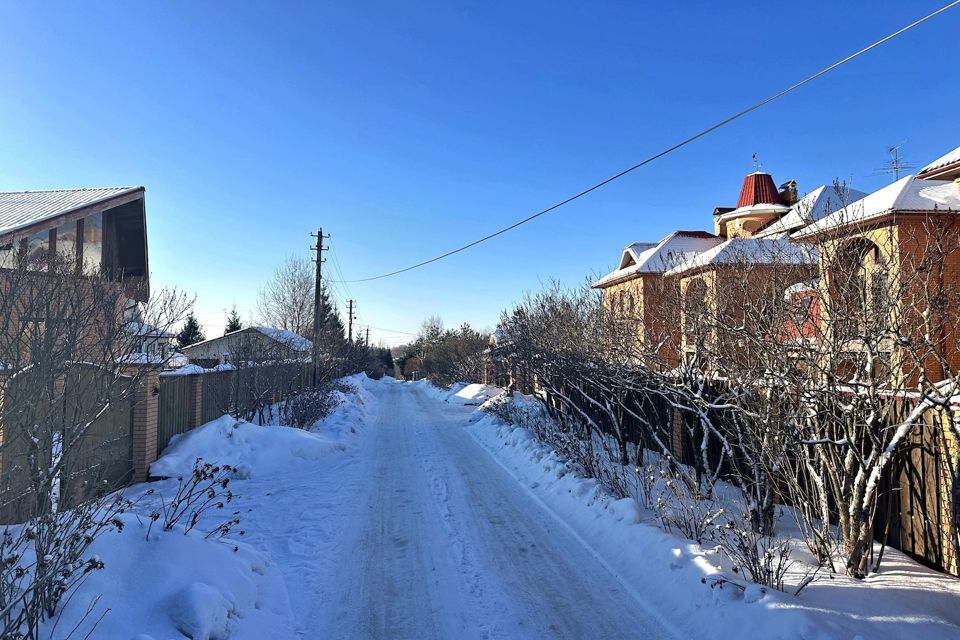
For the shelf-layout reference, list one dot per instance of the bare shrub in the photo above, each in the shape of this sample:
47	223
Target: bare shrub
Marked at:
682	505
206	489
756	552
310	406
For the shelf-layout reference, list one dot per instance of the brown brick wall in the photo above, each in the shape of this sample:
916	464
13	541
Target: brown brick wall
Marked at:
146	401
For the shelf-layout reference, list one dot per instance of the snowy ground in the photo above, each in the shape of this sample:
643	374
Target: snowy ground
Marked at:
407	514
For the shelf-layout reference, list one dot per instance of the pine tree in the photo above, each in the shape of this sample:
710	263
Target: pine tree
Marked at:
191	333
233	321
331	336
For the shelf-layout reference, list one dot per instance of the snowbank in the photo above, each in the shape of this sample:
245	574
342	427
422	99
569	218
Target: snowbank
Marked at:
183	585
255	449
474	394
905	600
175	586
459	392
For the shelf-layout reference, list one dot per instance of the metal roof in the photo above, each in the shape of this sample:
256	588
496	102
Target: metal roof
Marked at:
659	257
812	207
758	188
20	209
951	158
748	251
910	194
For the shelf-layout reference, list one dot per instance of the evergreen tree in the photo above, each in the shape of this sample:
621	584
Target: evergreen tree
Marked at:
233	321
331	336
191	333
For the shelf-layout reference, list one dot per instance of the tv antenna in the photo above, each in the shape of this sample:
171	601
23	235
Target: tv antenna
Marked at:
896	165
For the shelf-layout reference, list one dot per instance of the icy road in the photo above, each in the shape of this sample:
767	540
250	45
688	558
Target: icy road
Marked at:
422	534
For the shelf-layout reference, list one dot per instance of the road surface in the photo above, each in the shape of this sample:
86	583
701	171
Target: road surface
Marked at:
421	534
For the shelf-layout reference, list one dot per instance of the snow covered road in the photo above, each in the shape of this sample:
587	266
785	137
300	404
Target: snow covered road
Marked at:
422	534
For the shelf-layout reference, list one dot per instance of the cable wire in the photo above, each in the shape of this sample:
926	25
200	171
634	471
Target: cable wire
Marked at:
668	150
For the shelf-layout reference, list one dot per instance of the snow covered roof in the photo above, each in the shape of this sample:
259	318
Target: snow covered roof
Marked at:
810	208
639	258
756	251
909	195
285	337
944	162
144	329
800	287
20	209
293	340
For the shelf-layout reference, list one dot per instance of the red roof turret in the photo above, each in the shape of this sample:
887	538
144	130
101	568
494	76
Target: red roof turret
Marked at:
758	188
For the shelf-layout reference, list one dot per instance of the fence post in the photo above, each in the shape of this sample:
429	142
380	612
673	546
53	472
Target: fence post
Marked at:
146	403
196	401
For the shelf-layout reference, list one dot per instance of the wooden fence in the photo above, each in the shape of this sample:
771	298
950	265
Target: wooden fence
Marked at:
187	401
93	463
175	408
215	392
102	458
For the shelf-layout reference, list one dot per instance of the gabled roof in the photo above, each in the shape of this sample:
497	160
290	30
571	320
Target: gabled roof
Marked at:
747	251
288	338
640	258
946	163
632	253
136	328
20	209
810	208
909	195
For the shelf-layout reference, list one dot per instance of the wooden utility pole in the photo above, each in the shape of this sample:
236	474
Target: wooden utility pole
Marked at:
367	340
318	311
350	320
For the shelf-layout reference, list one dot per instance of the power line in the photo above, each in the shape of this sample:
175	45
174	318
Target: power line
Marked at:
339	270
406	333
668	150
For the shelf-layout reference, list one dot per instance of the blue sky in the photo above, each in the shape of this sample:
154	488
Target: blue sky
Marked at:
405	129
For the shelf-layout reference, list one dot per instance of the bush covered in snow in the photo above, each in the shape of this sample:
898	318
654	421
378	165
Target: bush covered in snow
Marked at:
313	405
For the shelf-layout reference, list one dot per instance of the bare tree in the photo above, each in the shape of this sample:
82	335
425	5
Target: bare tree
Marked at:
70	344
286	301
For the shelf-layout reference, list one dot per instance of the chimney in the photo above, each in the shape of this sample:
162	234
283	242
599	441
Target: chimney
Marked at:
788	192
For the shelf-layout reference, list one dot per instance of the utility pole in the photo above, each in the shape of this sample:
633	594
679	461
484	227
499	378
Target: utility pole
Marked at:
318	300
350	320
367	341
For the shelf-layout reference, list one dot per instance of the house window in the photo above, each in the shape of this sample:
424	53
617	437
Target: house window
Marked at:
67	244
8	255
38	250
92	243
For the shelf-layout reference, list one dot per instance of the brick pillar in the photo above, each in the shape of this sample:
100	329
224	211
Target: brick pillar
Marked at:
196	401
146	404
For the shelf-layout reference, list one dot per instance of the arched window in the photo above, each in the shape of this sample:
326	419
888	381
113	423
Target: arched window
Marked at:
860	291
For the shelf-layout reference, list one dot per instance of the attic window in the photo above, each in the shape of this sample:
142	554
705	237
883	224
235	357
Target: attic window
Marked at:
627	260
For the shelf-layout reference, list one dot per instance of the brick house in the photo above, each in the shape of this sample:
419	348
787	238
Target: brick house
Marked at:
638	289
830	234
